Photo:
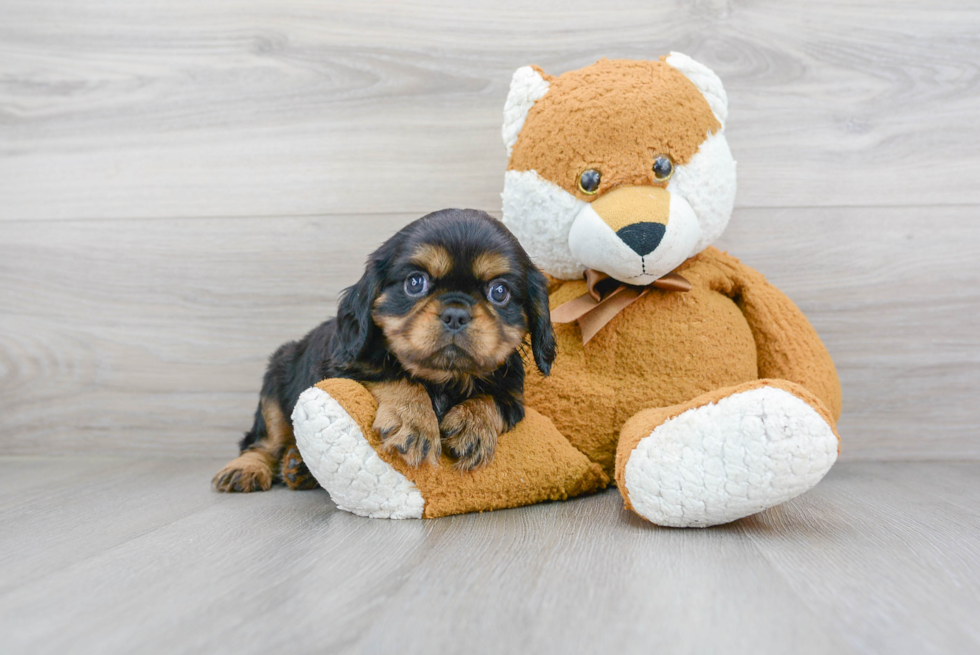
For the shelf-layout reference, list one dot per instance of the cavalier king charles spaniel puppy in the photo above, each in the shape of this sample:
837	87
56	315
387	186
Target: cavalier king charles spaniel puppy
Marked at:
435	329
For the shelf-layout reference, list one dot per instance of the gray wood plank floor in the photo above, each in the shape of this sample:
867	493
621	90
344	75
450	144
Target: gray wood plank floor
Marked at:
124	555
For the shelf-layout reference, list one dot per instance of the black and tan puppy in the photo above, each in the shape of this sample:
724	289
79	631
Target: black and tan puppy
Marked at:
434	329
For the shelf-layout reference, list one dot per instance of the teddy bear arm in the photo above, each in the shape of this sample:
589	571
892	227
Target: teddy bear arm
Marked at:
333	423
787	345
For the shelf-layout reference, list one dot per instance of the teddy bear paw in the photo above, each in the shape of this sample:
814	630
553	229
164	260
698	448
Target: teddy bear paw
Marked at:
726	460
346	465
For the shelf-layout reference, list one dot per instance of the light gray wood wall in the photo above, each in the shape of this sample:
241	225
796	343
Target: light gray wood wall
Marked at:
186	184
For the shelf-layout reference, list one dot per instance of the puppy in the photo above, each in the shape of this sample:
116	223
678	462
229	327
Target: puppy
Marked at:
435	330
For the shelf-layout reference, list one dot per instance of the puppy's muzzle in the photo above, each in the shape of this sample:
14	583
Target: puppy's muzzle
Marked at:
455	314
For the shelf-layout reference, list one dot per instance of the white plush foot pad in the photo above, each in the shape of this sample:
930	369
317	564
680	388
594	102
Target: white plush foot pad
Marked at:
345	464
719	462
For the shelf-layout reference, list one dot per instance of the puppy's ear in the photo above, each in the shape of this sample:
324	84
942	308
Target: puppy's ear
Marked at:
355	327
543	344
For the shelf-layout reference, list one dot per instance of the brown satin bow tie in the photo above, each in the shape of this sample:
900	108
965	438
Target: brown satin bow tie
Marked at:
606	298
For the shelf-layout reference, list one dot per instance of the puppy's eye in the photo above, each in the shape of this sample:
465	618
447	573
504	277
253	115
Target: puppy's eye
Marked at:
498	293
663	168
588	181
417	284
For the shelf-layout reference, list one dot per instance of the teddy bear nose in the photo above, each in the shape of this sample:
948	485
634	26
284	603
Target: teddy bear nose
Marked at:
642	238
455	318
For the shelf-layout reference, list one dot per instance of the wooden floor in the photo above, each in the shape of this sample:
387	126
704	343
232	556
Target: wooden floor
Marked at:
138	556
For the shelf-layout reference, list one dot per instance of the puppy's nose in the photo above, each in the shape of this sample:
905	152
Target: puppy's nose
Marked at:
455	318
642	238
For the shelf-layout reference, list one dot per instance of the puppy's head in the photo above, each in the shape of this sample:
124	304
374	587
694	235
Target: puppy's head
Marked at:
454	294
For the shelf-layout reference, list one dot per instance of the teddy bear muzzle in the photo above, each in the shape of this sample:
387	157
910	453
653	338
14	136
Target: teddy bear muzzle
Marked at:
635	234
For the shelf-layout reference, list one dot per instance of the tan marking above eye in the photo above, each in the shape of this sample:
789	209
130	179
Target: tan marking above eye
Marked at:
434	259
488	265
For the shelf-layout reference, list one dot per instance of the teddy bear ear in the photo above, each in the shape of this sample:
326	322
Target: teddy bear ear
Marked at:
708	83
526	87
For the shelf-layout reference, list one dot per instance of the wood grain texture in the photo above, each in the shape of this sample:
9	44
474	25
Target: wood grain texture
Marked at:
151	336
259	108
187	185
878	558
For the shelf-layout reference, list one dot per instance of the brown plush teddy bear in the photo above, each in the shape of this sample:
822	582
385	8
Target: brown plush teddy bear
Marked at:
682	375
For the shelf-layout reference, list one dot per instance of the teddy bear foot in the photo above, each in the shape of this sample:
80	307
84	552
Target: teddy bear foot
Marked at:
337	453
728	455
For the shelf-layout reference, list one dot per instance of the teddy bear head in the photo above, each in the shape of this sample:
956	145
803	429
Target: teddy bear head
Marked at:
621	167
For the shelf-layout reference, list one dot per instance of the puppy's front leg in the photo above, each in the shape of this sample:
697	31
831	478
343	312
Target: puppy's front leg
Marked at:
406	421
471	429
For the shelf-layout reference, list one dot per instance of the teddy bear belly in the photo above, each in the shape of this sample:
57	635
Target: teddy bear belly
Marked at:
664	349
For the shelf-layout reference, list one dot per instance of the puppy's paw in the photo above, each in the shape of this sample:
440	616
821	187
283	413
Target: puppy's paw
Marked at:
249	472
294	472
407	423
414	434
470	431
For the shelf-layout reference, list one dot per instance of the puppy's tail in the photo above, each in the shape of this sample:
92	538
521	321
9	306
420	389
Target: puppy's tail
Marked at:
256	434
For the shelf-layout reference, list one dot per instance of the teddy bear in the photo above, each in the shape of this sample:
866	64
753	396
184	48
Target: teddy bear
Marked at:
683	377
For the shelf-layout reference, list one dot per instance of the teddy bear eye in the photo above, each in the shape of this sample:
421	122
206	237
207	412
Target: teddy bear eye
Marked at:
663	168
588	181
416	284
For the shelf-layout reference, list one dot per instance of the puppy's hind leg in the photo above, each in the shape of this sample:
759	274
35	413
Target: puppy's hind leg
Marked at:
294	472
262	449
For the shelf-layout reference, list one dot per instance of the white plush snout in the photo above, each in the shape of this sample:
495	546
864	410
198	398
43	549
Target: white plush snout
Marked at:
593	243
542	215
